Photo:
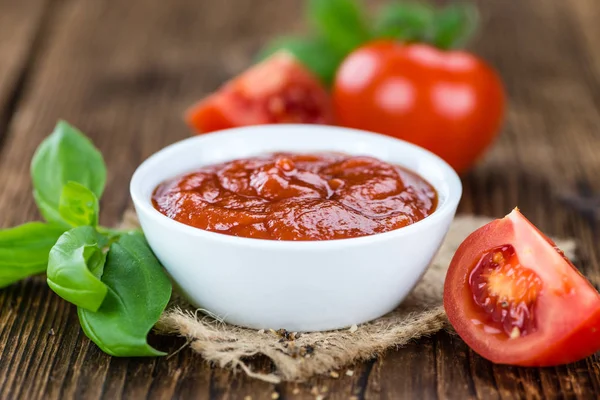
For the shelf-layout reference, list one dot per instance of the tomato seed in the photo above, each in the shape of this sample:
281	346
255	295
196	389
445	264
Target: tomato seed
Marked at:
515	333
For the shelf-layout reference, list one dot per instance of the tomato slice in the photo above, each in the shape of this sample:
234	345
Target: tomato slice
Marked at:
277	90
515	298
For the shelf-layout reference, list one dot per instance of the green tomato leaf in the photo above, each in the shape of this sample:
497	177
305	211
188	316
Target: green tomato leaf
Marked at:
454	25
340	22
75	267
404	21
78	205
24	250
64	156
315	54
138	292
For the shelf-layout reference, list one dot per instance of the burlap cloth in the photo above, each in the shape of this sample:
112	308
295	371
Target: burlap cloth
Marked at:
297	357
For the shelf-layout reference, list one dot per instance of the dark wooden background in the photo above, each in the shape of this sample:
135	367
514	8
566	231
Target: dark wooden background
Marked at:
123	71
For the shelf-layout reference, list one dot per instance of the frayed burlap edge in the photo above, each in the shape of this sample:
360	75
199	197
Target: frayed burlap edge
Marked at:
298	357
228	345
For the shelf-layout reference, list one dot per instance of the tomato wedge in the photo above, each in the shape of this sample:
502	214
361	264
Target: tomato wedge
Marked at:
277	90
515	298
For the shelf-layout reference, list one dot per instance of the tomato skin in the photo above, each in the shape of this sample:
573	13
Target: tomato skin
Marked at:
567	308
451	103
207	116
582	343
277	90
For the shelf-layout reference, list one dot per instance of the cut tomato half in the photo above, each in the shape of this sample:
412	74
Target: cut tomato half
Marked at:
278	90
515	298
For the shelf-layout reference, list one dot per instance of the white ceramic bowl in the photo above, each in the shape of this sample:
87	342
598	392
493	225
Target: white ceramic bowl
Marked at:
299	286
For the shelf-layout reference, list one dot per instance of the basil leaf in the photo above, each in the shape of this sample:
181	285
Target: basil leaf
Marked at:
339	22
75	267
405	21
454	25
49	212
78	205
138	292
66	155
24	250
314	53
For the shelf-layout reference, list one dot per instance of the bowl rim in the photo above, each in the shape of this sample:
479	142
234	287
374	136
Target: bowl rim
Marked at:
152	162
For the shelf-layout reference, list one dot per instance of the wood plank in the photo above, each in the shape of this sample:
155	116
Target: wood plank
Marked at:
124	80
22	27
455	376
395	376
549	144
125	77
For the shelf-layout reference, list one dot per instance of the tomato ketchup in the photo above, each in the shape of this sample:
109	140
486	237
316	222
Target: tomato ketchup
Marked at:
286	196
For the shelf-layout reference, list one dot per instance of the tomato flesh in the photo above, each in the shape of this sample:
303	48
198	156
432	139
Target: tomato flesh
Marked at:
278	90
514	298
505	292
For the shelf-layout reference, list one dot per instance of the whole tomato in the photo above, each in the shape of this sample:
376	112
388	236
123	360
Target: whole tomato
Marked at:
449	102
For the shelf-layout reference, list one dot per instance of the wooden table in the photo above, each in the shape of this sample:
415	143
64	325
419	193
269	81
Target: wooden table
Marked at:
123	71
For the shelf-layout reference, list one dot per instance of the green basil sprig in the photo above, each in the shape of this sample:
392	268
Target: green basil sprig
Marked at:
78	205
454	25
314	53
75	266
112	276
65	156
24	250
341	26
138	292
342	23
411	22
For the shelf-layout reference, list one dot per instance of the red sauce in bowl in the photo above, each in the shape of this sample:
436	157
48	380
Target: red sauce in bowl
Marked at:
286	196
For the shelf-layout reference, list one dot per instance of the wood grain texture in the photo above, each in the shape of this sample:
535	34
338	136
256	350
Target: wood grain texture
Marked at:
22	26
123	71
